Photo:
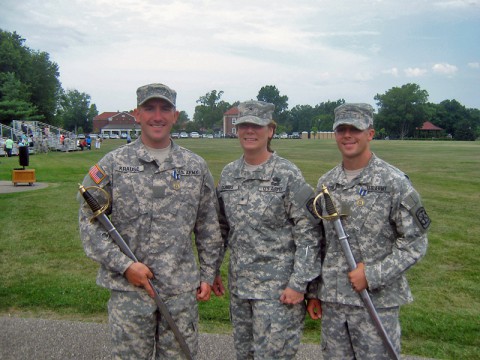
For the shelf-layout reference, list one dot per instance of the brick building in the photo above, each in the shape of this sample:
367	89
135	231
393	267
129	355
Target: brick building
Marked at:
115	123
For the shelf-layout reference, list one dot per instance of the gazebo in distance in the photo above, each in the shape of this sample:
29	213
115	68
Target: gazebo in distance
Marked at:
428	131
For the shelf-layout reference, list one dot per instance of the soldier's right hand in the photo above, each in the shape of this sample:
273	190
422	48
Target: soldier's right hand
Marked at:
138	274
314	309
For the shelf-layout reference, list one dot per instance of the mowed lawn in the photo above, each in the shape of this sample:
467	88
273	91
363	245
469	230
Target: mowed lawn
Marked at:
44	272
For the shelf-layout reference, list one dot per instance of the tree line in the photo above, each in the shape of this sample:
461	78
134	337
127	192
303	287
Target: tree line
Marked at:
401	112
30	89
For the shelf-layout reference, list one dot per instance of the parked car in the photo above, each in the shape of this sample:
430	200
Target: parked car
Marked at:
114	136
175	135
295	135
105	136
194	135
183	135
80	136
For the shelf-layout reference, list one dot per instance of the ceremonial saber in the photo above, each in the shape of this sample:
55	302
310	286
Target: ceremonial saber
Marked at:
99	214
334	216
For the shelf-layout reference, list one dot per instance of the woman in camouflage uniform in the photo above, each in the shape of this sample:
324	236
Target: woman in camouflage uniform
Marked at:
272	238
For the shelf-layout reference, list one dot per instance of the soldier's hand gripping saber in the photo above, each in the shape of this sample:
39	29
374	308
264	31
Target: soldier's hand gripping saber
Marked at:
334	216
99	214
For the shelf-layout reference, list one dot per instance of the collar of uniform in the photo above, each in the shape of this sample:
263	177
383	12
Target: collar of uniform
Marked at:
171	162
264	172
363	178
365	175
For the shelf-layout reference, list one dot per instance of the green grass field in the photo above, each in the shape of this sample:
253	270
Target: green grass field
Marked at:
44	272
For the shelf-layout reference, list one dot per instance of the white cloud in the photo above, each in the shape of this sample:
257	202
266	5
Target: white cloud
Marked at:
457	4
392	71
414	72
445	69
311	50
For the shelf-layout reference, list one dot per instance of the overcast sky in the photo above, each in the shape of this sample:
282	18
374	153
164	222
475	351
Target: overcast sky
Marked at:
312	51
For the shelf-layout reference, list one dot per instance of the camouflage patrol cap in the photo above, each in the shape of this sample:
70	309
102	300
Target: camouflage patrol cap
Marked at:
357	115
155	91
255	112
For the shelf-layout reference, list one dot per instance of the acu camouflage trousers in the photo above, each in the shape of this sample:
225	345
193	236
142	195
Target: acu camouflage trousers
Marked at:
348	332
266	329
138	330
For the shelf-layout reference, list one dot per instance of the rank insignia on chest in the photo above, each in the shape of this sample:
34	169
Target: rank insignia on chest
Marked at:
276	181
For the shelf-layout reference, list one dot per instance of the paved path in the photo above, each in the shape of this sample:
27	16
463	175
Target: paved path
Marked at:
39	339
7	187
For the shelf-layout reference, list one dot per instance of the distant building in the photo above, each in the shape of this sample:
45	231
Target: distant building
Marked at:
428	130
115	123
229	120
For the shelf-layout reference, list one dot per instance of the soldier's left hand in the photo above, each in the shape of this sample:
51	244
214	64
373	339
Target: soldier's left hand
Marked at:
291	297
357	278
204	291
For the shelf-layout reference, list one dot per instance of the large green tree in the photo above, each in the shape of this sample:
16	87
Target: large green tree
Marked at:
325	115
76	112
209	114
302	118
44	84
456	120
14	100
34	72
401	110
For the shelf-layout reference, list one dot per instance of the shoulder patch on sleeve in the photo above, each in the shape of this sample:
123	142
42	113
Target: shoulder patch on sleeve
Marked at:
414	206
97	174
422	218
304	199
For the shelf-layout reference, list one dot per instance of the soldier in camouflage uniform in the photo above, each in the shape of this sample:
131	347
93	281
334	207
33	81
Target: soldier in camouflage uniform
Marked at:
161	193
387	228
273	241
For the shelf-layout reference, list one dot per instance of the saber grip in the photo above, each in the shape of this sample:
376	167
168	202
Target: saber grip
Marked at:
89	199
329	206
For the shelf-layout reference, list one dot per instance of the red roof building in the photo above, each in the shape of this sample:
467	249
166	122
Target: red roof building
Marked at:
114	122
428	130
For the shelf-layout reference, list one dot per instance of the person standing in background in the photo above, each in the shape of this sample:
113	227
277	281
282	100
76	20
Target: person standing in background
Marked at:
9	146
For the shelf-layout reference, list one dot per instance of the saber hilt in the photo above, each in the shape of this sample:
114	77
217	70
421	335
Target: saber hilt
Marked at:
95	206
91	201
329	206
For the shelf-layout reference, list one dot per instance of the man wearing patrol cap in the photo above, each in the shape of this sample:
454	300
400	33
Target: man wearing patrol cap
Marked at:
387	228
161	193
273	241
